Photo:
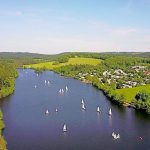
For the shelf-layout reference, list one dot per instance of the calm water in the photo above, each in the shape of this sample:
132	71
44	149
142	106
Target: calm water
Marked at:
28	128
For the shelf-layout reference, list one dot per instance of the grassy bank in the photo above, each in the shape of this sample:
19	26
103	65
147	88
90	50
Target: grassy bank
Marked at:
2	140
130	93
72	61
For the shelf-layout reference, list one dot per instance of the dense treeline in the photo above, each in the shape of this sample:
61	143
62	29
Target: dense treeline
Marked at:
8	75
2	141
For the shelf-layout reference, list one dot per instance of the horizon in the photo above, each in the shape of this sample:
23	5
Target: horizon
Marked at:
53	27
74	52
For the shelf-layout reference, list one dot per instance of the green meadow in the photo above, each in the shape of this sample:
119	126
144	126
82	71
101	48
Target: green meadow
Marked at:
129	93
72	61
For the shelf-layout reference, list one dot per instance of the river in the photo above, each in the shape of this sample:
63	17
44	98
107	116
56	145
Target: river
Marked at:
28	128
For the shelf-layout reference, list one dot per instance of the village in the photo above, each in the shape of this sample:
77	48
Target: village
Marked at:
139	75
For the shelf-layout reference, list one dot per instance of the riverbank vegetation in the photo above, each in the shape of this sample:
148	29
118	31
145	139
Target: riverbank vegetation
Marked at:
8	75
2	141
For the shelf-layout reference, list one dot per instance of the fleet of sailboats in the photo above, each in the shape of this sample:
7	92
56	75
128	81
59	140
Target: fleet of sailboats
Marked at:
61	91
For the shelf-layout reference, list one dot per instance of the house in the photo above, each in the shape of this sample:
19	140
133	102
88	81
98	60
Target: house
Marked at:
106	73
147	73
119	72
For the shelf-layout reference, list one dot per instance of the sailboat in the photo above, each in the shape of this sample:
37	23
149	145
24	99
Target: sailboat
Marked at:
116	136
66	88
56	110
98	109
48	82
82	102
113	134
35	86
62	91
47	112
45	81
64	128
83	106
110	112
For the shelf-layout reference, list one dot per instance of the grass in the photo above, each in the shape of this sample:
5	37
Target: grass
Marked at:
129	93
72	61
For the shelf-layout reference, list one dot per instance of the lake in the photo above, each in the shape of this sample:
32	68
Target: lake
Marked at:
28	128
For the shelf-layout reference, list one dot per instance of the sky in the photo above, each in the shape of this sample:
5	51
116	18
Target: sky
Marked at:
55	26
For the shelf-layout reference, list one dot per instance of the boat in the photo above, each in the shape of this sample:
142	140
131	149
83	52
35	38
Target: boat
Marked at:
66	88
83	106
113	134
56	110
35	86
82	102
48	82
64	128
47	112
98	109
62	91
116	136
45	81
110	112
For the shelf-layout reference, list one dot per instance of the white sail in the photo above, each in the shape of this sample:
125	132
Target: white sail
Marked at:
62	91
98	109
35	86
110	112
83	106
118	136
48	82
47	111
64	128
113	134
82	101
56	110
45	81
66	88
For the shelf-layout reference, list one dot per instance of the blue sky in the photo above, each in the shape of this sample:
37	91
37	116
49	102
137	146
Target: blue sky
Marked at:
54	26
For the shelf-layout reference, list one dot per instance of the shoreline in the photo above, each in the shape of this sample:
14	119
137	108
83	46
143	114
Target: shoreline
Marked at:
114	101
3	143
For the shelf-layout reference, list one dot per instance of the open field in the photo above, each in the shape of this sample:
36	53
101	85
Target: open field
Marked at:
129	93
72	61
